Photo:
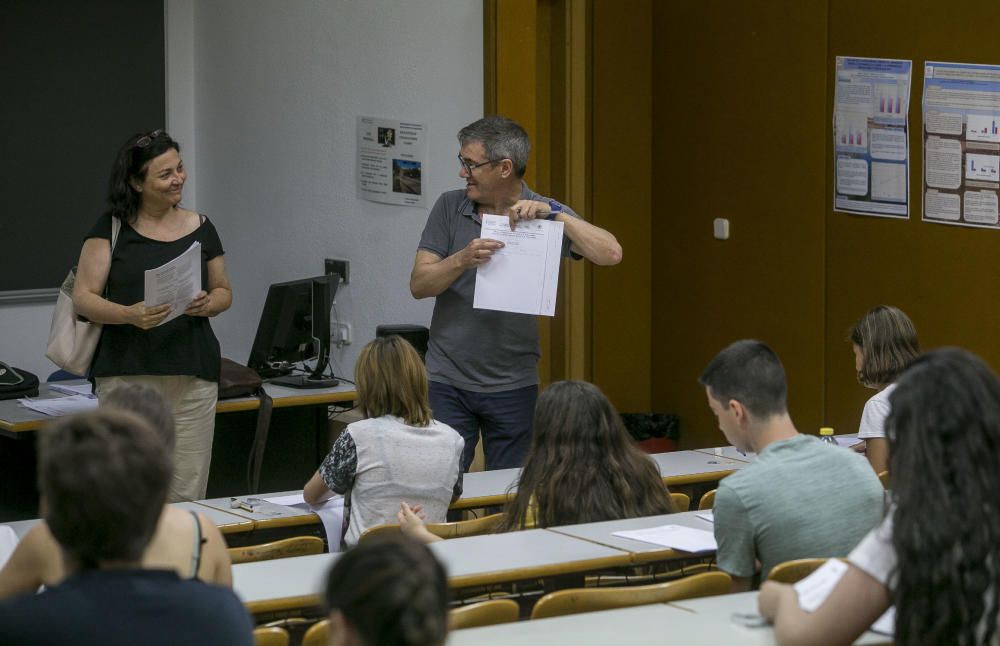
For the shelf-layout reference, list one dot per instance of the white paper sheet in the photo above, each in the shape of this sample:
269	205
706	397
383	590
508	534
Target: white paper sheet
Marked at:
176	282
706	515
8	541
673	536
73	389
288	501
523	276
58	406
330	512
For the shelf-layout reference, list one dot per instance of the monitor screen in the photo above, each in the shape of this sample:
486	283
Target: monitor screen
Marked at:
294	327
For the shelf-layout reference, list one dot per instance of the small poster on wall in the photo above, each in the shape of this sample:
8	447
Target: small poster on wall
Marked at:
961	144
870	137
391	156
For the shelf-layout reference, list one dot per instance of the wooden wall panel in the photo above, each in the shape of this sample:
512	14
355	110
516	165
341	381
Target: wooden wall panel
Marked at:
621	179
944	277
739	131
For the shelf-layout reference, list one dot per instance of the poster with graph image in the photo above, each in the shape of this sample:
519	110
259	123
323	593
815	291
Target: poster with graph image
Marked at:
961	127
391	158
870	138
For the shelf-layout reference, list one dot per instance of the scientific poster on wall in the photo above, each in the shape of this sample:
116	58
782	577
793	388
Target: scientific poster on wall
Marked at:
391	157
961	144
870	138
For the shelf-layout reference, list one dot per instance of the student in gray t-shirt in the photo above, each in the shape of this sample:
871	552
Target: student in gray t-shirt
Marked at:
801	498
483	364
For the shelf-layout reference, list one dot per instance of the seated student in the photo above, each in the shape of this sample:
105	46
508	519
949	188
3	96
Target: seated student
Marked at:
184	541
399	453
937	554
801	497
390	590
103	477
582	466
885	343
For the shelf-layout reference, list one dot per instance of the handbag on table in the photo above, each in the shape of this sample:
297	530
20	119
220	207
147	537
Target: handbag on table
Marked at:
72	338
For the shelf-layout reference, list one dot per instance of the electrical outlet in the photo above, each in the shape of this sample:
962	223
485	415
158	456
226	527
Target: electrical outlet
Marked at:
341	333
338	266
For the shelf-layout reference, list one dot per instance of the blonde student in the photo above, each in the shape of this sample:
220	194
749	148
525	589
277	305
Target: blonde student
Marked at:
885	343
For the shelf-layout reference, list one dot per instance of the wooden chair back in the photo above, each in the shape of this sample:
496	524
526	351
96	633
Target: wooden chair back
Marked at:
682	501
883	477
295	546
270	636
568	602
457	529
707	500
794	571
318	634
484	613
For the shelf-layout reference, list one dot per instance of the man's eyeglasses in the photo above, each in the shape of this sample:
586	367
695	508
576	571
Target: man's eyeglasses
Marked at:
145	140
469	166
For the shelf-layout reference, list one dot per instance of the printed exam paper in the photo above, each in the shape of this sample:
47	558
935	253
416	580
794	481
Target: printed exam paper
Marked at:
176	282
524	275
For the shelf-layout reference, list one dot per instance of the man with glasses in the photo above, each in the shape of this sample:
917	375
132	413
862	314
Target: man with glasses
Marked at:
483	364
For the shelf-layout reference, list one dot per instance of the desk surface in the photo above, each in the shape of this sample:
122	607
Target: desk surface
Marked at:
282	584
640	551
15	418
266	515
698	621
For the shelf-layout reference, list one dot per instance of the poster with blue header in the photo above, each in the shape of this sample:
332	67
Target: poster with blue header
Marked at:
870	137
961	126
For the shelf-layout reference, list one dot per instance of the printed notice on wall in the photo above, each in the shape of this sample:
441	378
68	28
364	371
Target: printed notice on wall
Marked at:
870	138
391	157
961	144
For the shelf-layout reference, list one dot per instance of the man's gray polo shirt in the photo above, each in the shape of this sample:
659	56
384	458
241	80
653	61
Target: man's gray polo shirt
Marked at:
474	349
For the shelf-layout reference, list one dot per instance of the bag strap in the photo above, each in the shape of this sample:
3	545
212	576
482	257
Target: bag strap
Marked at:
256	460
116	228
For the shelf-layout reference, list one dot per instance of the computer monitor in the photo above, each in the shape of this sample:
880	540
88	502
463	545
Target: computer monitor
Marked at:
295	326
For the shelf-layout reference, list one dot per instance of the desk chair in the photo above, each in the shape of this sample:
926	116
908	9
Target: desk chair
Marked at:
883	477
794	571
484	613
270	636
457	529
295	546
318	634
682	501
707	500
568	602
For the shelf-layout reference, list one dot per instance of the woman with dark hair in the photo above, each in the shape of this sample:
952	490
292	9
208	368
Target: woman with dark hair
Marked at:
582	467
936	556
400	452
389	590
885	343
143	228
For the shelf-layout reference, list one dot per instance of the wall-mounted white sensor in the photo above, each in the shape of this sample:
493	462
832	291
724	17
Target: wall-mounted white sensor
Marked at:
720	228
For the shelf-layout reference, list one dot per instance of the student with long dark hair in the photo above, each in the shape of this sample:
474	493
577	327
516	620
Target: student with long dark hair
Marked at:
582	467
936	556
885	343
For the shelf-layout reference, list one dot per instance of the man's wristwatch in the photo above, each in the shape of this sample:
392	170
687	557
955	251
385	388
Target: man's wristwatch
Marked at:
555	208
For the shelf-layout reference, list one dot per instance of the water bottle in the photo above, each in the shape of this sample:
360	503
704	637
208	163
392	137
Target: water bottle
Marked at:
826	435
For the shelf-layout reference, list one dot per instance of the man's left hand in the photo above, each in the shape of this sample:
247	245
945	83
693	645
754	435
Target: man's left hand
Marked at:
527	210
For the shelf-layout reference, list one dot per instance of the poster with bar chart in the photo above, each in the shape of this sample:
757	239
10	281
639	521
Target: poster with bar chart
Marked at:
870	137
961	128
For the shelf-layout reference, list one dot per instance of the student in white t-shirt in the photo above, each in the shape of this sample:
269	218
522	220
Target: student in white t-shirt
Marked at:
400	453
885	343
936	557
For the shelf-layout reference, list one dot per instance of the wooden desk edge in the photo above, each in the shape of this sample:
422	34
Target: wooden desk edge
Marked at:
696	478
287	521
538	572
481	501
282	604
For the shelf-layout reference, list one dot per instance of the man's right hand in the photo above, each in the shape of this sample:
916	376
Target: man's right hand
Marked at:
146	317
477	252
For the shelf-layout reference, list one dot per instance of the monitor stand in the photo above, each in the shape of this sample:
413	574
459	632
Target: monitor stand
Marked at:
304	381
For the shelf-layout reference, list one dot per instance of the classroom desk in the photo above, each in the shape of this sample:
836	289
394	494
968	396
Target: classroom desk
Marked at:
698	621
297	441
729	453
283	585
641	552
487	488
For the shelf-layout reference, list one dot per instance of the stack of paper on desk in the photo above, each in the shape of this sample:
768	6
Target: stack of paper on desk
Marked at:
673	536
523	276
60	405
